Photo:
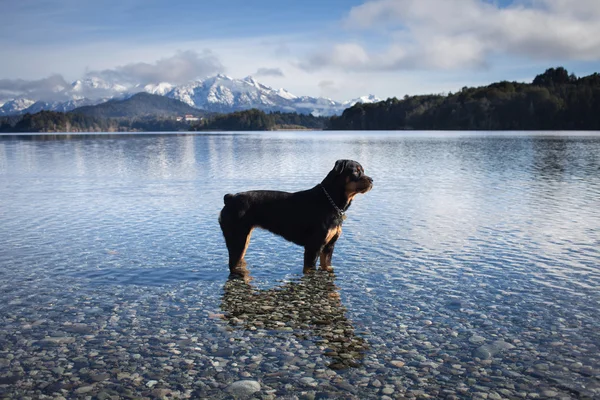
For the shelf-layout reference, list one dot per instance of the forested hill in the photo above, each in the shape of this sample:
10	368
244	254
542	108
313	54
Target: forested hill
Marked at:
257	120
555	100
139	105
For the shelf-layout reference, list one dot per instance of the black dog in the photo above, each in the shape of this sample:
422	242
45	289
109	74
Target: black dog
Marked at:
311	218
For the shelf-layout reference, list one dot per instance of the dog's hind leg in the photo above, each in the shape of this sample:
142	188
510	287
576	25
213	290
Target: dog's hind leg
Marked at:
311	254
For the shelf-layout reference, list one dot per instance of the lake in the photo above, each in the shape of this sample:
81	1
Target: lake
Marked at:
471	270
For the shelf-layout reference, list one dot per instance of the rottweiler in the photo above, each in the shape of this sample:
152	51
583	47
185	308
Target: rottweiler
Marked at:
310	218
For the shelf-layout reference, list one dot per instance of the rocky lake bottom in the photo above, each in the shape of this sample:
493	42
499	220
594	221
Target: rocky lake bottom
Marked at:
470	271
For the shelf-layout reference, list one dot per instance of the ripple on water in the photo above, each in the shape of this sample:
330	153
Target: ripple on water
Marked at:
472	267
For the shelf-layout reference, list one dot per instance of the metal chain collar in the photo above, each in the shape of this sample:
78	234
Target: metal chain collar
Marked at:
340	212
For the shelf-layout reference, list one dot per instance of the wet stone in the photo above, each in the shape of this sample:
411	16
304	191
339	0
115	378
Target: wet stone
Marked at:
243	388
84	389
224	352
489	350
476	339
99	377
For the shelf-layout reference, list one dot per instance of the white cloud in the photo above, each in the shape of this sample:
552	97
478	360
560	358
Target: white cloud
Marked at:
448	34
51	88
182	67
269	72
386	48
345	55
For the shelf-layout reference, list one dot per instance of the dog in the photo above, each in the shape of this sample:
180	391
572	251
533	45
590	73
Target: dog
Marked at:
311	218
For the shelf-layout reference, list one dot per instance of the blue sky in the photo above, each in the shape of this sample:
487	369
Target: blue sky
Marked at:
335	48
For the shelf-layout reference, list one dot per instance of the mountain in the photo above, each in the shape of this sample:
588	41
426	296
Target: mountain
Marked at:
15	106
363	100
224	94
219	93
139	105
96	87
160	88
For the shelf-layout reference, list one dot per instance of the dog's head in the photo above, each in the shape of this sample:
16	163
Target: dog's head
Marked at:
350	176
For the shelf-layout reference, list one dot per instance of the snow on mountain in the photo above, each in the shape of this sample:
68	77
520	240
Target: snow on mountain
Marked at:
161	88
222	93
219	93
15	106
94	82
285	94
61	106
363	99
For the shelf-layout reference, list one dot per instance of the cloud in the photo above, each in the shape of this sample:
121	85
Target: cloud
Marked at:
351	56
51	88
454	34
327	84
269	72
328	88
183	67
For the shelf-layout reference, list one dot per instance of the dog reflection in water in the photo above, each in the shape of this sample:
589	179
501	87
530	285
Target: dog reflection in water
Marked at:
309	308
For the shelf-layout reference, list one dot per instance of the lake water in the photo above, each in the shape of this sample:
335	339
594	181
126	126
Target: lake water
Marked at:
471	270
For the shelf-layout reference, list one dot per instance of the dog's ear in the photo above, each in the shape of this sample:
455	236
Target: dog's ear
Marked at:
339	166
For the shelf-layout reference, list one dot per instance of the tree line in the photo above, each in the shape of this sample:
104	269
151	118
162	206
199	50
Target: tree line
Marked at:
555	100
249	120
257	120
52	121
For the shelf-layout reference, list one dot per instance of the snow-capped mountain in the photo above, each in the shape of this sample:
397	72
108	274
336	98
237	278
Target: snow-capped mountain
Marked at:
96	84
222	93
61	106
161	88
363	99
219	93
15	106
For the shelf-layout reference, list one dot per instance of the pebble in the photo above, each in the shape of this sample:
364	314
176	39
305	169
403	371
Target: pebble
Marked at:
489	350
84	389
278	343
476	339
243	388
549	393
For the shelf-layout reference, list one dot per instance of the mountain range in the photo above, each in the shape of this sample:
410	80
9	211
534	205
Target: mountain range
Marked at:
219	93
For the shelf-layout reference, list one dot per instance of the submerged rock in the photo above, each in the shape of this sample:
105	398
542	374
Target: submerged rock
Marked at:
243	388
487	351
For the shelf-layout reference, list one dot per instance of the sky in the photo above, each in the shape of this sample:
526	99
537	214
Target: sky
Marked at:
341	49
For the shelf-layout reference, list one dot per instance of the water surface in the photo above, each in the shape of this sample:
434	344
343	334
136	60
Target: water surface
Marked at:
471	269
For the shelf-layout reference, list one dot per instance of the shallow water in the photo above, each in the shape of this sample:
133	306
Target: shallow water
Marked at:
471	269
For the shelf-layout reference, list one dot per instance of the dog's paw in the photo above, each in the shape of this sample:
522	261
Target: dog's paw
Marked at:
327	268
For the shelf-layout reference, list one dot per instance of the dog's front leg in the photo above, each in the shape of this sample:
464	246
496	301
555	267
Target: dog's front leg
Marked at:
327	253
311	254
